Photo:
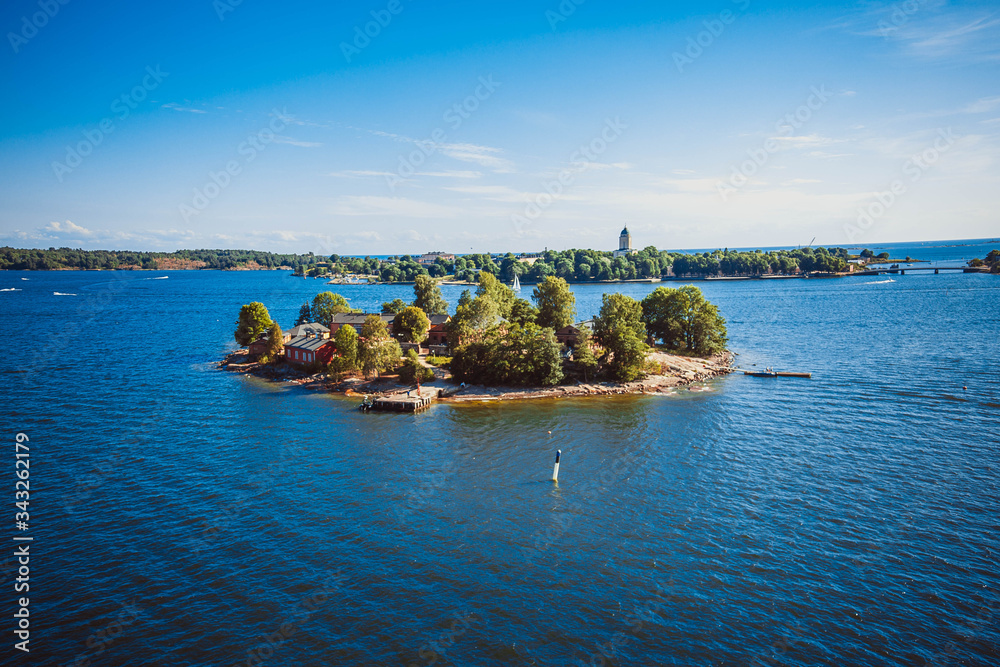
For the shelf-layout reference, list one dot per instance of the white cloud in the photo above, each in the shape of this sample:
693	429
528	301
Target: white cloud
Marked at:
67	228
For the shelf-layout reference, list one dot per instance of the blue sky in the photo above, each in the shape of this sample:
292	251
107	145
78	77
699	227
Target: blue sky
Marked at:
498	126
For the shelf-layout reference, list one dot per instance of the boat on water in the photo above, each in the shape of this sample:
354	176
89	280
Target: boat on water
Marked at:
516	286
761	374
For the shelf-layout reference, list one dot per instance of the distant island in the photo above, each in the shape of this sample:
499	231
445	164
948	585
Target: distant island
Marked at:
496	345
575	265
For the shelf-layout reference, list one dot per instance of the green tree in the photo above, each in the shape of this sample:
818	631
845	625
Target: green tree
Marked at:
305	315
413	324
684	320
327	304
346	343
583	353
523	313
509	354
253	321
393	307
501	295
556	304
477	315
620	330
377	351
413	371
274	343
428	297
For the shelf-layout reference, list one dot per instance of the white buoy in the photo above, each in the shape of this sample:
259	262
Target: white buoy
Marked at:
555	470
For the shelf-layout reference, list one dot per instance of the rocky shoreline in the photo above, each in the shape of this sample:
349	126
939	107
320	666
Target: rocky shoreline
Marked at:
677	371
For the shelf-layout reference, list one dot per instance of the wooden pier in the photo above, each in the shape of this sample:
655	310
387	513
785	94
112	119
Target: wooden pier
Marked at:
775	374
407	401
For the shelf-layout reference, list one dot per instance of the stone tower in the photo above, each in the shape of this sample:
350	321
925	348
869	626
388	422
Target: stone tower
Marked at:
625	241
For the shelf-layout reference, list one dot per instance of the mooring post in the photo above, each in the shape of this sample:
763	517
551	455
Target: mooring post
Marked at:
555	470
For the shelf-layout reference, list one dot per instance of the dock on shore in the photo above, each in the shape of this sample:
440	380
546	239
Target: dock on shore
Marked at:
408	401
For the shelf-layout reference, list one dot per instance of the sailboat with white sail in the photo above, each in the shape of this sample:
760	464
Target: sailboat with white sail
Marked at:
517	284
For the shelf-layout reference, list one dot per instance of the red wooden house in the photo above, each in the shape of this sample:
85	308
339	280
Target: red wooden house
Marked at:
309	349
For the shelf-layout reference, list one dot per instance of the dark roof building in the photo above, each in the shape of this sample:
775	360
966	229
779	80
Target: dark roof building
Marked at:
309	329
307	349
357	320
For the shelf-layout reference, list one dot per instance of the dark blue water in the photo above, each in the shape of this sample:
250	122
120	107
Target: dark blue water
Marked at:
183	515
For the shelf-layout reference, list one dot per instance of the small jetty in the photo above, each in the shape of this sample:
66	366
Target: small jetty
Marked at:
407	401
775	374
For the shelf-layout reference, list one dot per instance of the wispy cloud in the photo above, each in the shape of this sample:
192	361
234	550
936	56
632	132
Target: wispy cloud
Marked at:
491	192
361	173
396	207
178	107
296	142
456	173
931	29
484	156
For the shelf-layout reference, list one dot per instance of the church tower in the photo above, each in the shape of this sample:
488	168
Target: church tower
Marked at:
625	241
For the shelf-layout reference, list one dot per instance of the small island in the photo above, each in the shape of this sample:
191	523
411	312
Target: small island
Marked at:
496	346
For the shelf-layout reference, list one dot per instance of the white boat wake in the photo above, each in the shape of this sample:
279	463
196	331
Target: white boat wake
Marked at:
10	289
879	282
62	294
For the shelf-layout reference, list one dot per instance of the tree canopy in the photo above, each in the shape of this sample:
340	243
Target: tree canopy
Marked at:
327	304
471	316
253	321
500	294
377	351
428	297
305	315
275	343
393	307
412	324
523	313
684	320
509	354
620	330
556	304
